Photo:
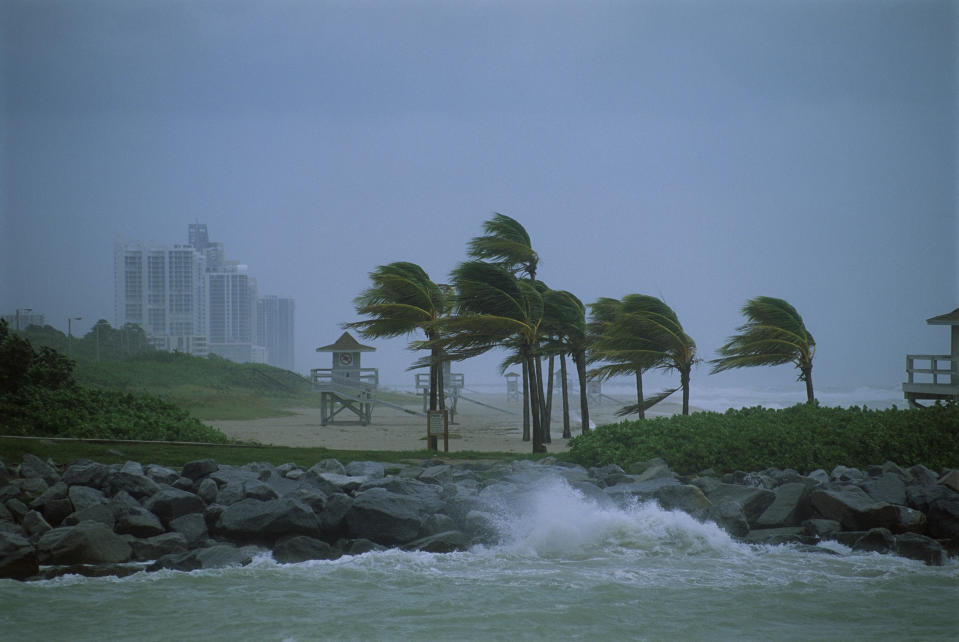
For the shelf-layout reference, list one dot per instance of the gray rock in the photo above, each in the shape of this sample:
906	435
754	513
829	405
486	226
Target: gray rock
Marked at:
183	483
327	466
370	469
360	546
684	497
332	519
888	488
296	474
17	508
950	480
642	491
481	527
101	513
170	503
640	467
192	527
34	467
754	501
777	536
217	556
82	496
258	490
821	528
908	520
437	474
437	523
819	475
655	472
30	488
943	518
300	548
85	473
384	517
136	485
853	508
430	496
790	507
343	483
137	521
231	493
846	474
85	543
919	547
157	546
879	540
728	515
922	476
194	470
922	497
261	521
56	491
18	557
6	474
207	490
34	524
161	474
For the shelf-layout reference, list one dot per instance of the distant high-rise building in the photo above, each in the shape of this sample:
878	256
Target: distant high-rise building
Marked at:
274	329
191	298
161	288
24	320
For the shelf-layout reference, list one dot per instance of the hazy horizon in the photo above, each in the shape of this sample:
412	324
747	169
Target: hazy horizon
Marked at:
701	152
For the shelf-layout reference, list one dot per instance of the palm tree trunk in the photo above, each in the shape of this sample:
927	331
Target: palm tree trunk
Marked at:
807	376
579	358
639	393
562	373
542	393
525	401
538	445
548	415
433	381
684	382
440	392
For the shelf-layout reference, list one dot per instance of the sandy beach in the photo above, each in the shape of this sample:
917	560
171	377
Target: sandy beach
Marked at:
476	427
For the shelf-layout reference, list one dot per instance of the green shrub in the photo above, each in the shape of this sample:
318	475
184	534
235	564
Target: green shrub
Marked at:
802	437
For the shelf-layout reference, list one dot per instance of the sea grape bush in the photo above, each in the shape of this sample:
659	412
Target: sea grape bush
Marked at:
803	437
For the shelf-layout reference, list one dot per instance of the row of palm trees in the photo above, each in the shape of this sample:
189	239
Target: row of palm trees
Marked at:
494	300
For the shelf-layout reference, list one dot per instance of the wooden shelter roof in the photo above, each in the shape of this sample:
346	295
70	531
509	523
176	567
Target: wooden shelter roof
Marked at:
950	318
346	343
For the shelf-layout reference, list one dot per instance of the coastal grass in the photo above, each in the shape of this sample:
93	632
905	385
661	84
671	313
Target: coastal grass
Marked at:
803	437
175	455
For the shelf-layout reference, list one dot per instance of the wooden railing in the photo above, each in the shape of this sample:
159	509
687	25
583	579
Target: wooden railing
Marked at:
936	369
368	377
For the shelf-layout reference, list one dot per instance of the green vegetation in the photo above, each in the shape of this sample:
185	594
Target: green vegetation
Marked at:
803	437
175	455
40	397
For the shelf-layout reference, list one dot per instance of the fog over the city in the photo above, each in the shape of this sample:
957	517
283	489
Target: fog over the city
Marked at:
704	152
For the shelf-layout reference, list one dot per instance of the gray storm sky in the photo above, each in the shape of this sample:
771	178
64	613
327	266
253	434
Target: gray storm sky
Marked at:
705	152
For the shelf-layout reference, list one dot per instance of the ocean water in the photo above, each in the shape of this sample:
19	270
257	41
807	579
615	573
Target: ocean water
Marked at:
565	568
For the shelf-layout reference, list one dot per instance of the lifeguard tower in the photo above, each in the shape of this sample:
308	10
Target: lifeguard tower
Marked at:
512	387
453	383
347	385
941	367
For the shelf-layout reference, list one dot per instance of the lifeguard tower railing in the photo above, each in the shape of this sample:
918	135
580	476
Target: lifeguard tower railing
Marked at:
353	390
937	381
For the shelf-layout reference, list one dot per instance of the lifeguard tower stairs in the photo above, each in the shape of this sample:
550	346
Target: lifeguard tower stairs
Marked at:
346	385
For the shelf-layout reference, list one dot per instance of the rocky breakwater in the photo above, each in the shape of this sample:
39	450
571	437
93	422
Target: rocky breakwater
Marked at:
96	519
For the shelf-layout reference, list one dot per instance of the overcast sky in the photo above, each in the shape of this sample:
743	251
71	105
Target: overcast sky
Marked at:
704	152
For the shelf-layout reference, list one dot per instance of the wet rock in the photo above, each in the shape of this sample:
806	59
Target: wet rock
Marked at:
136	485
192	527
776	536
258	490
728	515
360	546
754	501
207	490
259	521
919	547
437	474
18	557
327	466
943	518
332	519
160	474
170	503
445	542
889	488
950	480
301	548
137	521
157	546
34	524
879	540
217	556
56	510
101	513
370	469
821	528
923	476
17	508
82	496
684	497
384	517
853	508
846	474
85	473
32	467
789	507
85	543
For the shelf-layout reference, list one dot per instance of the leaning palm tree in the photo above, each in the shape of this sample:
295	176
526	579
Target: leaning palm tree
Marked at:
401	301
564	318
649	330
494	309
622	352
774	334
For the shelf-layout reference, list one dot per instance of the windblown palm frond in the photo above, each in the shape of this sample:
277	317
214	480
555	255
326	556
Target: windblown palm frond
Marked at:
507	244
648	402
774	334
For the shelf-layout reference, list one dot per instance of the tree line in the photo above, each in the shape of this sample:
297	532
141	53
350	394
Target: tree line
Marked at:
495	300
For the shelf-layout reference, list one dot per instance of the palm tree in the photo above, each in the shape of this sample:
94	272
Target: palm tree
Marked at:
401	301
564	318
495	309
621	351
773	334
648	330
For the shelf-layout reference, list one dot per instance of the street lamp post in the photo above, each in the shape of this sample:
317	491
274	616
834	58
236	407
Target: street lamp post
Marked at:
70	321
23	310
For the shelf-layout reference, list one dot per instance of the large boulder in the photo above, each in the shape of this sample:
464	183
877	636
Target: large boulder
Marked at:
879	540
943	517
684	497
85	496
137	521
85	473
854	509
370	469
34	467
259	521
170	503
157	546
200	468
384	517
192	527
85	543
216	556
445	542
919	547
753	500
789	508
300	548
135	484
889	488
18	557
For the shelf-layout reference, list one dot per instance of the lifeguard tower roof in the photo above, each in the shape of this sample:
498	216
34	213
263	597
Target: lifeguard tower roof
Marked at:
951	318
346	343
